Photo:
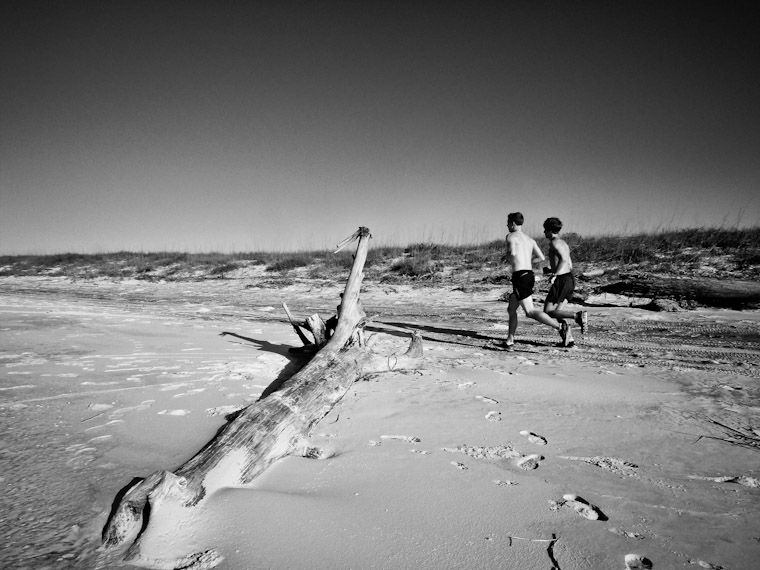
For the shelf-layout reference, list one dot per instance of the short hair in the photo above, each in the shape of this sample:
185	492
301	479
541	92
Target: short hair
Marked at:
553	225
515	217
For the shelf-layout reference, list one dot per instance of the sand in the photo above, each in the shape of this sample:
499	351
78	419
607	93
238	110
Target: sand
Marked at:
641	441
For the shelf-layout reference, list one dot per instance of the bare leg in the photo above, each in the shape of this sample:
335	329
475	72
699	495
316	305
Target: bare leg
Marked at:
554	310
557	311
537	315
512	310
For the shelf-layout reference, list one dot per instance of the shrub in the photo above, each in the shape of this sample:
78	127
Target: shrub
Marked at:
417	267
290	262
748	258
220	270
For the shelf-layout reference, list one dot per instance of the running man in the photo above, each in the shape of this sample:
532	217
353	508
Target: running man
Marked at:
521	251
562	283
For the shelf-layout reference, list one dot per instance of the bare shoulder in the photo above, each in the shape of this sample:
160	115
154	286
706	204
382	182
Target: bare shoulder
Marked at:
560	245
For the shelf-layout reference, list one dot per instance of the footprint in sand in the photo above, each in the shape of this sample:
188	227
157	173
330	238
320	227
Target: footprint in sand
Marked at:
109	423
701	564
100	439
493	416
189	393
460	466
626	533
530	462
490	452
82	455
171	387
173	412
741	480
487	400
130	409
533	438
609	463
637	562
404	438
583	507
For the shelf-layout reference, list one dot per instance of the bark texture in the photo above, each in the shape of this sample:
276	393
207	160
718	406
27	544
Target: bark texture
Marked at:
268	430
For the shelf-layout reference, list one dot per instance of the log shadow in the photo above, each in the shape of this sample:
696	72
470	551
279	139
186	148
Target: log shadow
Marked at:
296	361
435	334
430	329
265	345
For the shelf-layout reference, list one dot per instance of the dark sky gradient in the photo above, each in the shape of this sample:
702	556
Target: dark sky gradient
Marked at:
280	125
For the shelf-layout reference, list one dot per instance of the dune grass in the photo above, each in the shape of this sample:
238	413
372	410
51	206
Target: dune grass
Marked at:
738	250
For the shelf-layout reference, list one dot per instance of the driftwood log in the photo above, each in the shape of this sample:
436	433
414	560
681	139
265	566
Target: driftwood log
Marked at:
730	293
273	427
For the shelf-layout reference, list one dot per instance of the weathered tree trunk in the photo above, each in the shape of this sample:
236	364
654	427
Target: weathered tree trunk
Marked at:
713	292
262	433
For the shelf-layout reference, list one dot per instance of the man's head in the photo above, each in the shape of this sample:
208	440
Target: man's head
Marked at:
552	226
515	219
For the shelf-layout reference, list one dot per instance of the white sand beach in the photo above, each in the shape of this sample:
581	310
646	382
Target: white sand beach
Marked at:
470	462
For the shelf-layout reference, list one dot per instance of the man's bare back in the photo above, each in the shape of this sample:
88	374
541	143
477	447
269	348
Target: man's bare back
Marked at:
522	250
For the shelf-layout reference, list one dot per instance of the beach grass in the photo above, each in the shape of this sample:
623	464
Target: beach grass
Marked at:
669	251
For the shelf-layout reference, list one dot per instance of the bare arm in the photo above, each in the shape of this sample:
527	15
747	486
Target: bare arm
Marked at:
511	253
537	253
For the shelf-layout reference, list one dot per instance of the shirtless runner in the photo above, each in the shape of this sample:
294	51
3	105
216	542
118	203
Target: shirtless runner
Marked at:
562	283
522	250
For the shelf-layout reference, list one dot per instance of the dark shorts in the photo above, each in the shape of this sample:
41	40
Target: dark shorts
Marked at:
562	289
523	282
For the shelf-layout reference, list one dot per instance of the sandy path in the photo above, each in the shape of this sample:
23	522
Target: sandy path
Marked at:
96	389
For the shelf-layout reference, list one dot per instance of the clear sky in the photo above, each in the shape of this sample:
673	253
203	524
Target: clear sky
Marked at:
244	125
